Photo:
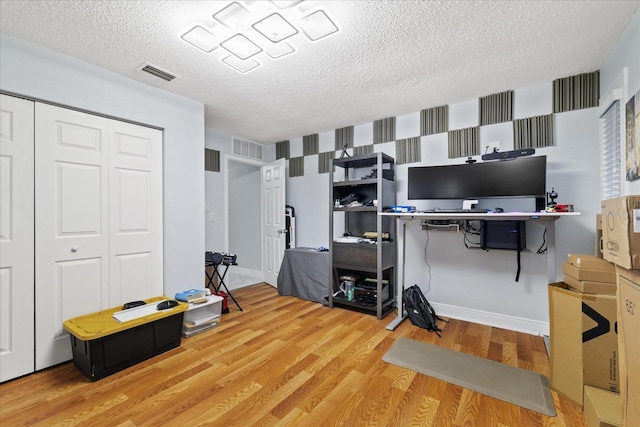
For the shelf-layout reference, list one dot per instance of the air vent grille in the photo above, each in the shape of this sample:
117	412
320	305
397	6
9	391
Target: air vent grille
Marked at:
164	75
245	148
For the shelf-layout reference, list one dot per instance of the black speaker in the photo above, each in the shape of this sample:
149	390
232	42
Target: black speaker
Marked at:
503	235
505	155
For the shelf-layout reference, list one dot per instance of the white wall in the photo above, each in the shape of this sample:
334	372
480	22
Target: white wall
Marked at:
38	73
214	192
469	283
625	55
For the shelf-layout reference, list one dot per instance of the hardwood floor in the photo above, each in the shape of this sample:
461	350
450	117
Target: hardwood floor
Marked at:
286	361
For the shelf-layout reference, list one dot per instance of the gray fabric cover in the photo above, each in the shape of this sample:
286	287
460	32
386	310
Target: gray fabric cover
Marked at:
304	273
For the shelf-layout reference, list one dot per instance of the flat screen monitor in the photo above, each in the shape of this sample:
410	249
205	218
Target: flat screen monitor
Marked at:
520	177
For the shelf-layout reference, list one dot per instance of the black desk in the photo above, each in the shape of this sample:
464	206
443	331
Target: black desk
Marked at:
304	273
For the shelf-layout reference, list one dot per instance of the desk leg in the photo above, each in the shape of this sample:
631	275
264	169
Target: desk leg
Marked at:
399	274
551	251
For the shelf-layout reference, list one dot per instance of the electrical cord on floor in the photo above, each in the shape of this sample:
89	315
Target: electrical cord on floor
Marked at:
543	247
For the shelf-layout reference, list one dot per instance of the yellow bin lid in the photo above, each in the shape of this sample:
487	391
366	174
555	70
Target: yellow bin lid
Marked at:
101	324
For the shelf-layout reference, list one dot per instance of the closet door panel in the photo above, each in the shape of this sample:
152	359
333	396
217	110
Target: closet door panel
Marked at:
72	230
135	211
16	237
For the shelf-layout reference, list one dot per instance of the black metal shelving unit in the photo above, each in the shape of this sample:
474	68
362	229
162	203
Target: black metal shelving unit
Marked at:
372	261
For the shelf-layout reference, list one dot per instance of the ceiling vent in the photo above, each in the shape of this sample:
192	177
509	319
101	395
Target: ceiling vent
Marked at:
152	69
245	148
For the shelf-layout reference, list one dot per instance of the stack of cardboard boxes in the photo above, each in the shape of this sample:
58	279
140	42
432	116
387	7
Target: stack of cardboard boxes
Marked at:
584	343
595	321
621	246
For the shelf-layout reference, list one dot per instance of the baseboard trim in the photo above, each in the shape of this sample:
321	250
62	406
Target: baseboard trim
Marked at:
514	323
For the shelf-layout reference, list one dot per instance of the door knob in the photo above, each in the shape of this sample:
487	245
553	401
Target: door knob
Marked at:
282	231
74	248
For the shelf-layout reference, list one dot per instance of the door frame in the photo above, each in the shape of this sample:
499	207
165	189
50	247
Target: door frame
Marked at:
236	159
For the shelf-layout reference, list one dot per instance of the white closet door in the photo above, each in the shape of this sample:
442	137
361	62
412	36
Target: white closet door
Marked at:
135	206
16	237
72	233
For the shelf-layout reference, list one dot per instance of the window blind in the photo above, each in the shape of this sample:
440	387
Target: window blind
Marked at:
611	166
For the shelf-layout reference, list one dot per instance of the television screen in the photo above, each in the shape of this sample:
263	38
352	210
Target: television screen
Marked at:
520	177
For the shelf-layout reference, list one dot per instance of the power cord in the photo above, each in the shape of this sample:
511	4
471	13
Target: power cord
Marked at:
426	244
543	247
469	230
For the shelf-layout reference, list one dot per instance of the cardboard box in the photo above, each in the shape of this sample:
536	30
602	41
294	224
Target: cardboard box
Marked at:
589	275
629	344
589	287
621	231
602	408
581	265
584	344
590	262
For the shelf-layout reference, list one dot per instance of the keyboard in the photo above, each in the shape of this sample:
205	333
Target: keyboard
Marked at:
472	210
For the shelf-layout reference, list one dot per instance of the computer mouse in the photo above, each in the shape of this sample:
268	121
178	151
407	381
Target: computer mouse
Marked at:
498	210
133	304
163	305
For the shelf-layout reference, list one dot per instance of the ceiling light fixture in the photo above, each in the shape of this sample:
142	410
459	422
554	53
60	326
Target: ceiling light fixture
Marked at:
241	46
317	25
275	28
201	38
234	16
240	65
285	4
279	50
246	28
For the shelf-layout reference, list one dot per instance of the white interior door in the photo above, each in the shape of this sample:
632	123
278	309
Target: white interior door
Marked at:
16	237
273	219
135	212
72	234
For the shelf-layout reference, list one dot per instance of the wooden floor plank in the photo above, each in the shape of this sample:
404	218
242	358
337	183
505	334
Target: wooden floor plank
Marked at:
284	361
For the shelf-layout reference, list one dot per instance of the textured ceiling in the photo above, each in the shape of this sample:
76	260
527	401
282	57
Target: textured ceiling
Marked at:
390	58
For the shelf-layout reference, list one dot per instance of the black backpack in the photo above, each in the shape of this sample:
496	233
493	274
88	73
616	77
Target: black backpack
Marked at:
419	310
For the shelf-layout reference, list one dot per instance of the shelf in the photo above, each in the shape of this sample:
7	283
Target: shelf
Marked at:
356	209
362	161
387	305
374	260
359	182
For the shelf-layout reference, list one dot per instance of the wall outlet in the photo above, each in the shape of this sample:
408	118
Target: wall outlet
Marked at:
491	146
